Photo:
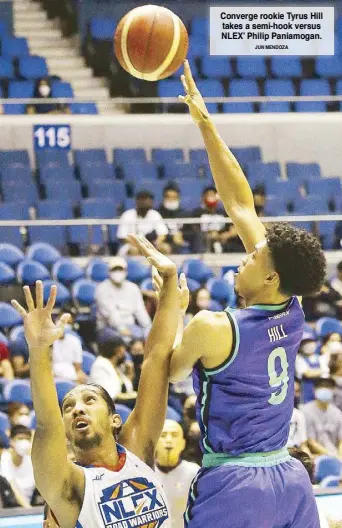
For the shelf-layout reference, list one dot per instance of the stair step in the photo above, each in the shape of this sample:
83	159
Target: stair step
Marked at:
41	44
92	82
57	53
66	63
35	33
77	73
24	7
92	93
33	25
28	16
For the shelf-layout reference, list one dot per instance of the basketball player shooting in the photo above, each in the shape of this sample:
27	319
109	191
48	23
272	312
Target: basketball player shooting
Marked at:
243	363
111	485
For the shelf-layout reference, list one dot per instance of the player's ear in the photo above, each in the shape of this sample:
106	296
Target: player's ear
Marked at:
272	279
117	422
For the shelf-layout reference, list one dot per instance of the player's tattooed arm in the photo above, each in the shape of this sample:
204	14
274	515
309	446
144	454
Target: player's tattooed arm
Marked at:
231	183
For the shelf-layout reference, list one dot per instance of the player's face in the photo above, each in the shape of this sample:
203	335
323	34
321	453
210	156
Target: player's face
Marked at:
170	445
255	273
86	418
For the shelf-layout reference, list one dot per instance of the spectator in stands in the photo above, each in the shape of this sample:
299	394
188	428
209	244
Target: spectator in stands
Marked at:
16	465
171	208
298	435
67	358
331	345
326	303
338	236
174	473
43	91
193	451
143	220
189	411
200	300
259	200
137	353
208	236
335	366
19	414
120	308
309	366
20	358
6	370
324	420
336	282
109	371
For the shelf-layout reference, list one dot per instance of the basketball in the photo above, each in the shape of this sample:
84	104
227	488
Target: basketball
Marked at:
151	42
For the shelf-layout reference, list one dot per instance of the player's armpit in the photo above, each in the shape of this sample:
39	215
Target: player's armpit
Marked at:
208	338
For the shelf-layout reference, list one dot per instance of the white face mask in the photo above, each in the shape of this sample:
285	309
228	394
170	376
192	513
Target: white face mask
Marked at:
118	276
23	419
171	205
22	447
309	348
324	395
334	347
44	90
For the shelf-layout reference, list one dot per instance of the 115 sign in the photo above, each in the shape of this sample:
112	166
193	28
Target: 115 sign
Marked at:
52	137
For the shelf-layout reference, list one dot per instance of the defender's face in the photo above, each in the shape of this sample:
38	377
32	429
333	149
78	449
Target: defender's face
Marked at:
86	417
170	444
253	272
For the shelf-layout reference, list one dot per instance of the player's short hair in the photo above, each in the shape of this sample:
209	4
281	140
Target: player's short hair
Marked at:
298	259
305	459
328	383
105	395
20	429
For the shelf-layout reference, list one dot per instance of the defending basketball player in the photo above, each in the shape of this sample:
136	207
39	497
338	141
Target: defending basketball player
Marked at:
111	485
243	363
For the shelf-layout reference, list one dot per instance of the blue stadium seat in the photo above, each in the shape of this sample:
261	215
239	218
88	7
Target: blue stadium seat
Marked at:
13	173
246	154
174	170
9	317
137	272
302	172
328	325
18	332
67	190
52	158
200	26
83	292
55	235
123	156
274	106
313	87
251	67
193	66
155	187
3	338
328	66
276	206
48	174
193	285
13	211
198	156
20	89
61	89
18	391
7	275
14	108
310	206
92	208
102	28
133	172
198	47
327	466
216	67
82	156
278	87
330	482
197	270
286	67
55	209
329	187
169	88
10	157
164	156
29	271
123	411
14	47
6	68
87	362
114	189
146	284
62	388
83	108
63	295
4	422
66	271
221	292
211	88
260	173
4	29
33	67
43	253
14	191
97	270
191	187
241	88
97	208
327	234
10	254
172	414
91	171
286	189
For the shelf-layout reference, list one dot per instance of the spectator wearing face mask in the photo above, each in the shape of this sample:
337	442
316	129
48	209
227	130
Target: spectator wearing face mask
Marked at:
43	91
331	344
143	220
324	420
120	309
171	208
174	473
16	465
298	435
309	366
335	366
19	414
200	300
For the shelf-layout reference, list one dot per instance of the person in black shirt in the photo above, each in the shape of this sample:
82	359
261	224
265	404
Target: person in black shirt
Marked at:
171	208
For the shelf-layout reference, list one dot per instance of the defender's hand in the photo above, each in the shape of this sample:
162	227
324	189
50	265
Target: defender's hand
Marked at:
193	98
162	263
40	330
183	290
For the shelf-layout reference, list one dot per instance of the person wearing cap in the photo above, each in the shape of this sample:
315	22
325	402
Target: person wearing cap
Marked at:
309	365
120	308
143	220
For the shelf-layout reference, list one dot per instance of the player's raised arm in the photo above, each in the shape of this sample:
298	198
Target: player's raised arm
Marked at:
231	183
143	428
60	482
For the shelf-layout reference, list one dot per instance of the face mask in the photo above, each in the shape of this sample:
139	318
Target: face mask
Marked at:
118	276
203	304
44	90
171	205
309	348
24	419
324	395
22	447
335	347
210	202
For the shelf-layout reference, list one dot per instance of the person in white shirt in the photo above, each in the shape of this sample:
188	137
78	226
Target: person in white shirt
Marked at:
108	371
143	220
298	436
174	473
120	308
67	357
16	465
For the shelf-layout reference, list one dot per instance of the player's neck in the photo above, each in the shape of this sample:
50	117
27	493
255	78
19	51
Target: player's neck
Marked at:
104	455
264	298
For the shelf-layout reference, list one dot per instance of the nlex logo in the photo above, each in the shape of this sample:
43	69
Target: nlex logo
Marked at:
133	503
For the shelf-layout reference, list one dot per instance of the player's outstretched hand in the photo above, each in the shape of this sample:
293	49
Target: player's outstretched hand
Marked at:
183	290
162	263
40	330
193	98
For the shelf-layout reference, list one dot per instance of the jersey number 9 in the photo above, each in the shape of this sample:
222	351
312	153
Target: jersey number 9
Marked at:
278	382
